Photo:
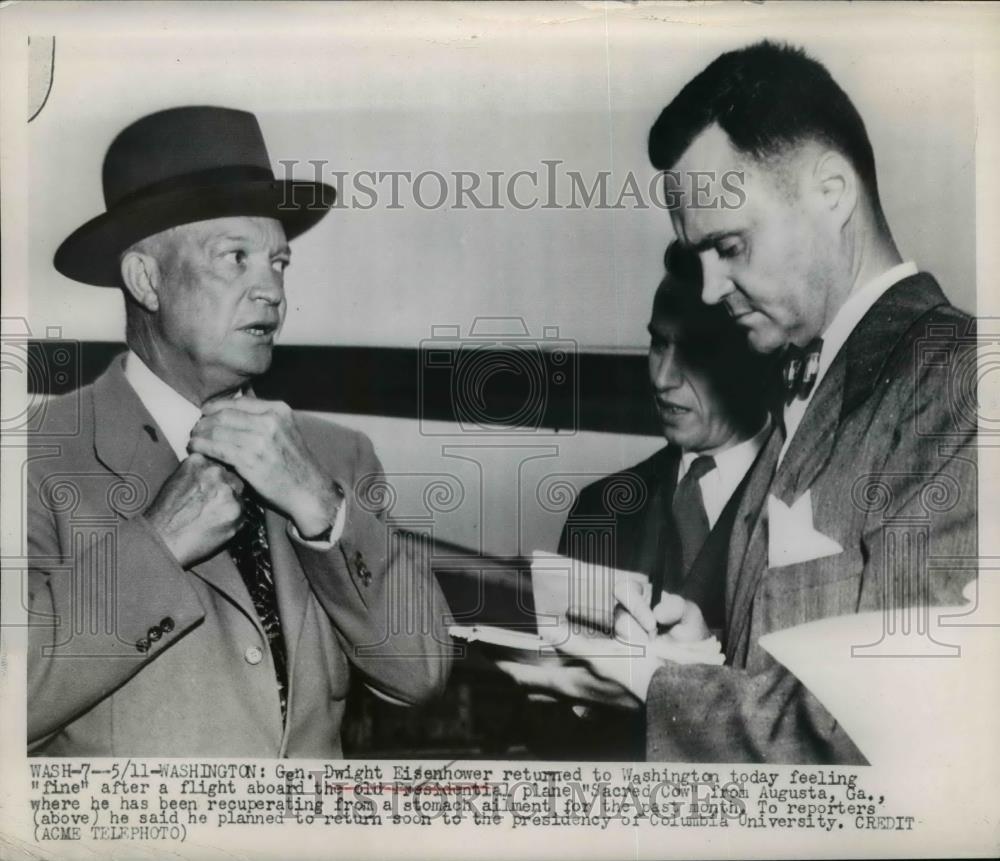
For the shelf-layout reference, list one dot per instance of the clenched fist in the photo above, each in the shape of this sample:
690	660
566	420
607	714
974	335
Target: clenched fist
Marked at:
198	509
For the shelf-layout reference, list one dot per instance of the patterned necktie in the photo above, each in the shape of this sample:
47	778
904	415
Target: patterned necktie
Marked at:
689	513
252	554
799	368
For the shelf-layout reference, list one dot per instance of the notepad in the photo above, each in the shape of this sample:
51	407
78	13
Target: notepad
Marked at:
565	588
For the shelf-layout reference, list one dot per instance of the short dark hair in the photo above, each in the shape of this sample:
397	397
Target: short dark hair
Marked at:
713	341
766	97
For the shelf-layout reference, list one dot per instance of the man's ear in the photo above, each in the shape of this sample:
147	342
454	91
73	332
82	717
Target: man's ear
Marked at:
837	185
141	276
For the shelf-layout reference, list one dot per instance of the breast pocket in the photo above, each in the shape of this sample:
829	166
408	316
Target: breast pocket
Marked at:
807	591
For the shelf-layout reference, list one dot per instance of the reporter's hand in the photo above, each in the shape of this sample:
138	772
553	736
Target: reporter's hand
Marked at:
197	510
634	621
679	619
613	677
673	616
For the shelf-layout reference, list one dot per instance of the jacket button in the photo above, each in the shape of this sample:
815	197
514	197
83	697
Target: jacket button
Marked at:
167	625
155	633
142	645
253	655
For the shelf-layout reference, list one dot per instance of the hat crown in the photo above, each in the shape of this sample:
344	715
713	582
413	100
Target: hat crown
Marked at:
179	166
183	144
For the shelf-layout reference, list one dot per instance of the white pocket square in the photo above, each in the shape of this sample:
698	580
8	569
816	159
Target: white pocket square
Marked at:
791	536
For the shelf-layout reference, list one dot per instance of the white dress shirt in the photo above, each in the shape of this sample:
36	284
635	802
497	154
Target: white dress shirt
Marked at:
731	465
857	305
175	415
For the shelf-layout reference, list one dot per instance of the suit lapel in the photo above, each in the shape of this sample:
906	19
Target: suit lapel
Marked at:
128	442
656	534
808	453
812	446
291	587
850	380
747	518
126	439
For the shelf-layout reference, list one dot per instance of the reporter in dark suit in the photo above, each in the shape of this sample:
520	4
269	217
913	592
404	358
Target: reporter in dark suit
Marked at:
711	394
207	568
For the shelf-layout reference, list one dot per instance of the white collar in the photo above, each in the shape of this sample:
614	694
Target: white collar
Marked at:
733	461
731	465
174	414
854	308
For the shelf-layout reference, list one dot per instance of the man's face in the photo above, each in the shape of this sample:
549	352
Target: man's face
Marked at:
685	392
221	301
773	259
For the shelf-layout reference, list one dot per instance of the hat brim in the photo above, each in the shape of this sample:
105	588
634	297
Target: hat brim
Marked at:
91	253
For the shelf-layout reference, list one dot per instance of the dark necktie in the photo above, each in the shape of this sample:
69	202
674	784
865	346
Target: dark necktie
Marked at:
689	513
799	368
252	554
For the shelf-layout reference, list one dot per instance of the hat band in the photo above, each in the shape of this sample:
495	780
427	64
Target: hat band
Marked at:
228	175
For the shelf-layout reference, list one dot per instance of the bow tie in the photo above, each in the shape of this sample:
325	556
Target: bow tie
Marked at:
799	368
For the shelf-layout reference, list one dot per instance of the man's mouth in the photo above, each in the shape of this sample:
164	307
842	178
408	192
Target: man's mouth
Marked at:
670	408
740	312
260	330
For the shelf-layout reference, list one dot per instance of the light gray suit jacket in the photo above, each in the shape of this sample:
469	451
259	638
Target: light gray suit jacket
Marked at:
887	449
101	581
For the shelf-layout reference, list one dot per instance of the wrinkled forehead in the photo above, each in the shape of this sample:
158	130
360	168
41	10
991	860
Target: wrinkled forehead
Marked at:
254	229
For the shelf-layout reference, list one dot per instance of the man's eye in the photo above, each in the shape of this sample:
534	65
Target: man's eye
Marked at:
237	255
657	345
727	251
279	265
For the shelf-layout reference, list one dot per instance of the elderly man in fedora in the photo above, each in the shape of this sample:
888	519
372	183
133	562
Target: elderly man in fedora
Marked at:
206	567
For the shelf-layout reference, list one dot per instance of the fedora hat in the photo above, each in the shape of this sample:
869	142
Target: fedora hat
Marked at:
182	165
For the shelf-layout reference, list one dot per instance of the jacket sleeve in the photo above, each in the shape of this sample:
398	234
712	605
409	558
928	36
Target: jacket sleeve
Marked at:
925	485
588	504
377	587
100	607
702	713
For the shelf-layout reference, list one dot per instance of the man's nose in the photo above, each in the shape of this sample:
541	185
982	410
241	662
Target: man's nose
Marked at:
269	286
666	370
716	283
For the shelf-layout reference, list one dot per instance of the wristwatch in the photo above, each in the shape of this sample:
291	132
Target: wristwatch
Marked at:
327	533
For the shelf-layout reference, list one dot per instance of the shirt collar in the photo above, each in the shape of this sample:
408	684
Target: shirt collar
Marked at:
174	414
731	463
857	305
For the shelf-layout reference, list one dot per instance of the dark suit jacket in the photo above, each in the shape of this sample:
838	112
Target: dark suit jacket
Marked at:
625	520
101	580
886	447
